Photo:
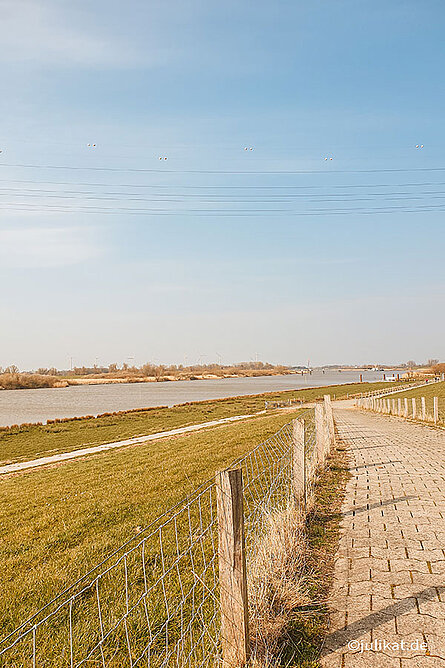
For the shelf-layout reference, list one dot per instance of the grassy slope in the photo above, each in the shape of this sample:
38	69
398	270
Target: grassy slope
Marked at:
76	513
428	391
37	441
57	522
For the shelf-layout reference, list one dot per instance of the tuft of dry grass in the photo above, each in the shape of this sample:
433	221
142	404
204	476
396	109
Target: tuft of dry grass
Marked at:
276	586
291	573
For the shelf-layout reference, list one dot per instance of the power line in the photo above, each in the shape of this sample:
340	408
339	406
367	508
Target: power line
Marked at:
222	197
8	206
223	194
225	187
217	199
226	172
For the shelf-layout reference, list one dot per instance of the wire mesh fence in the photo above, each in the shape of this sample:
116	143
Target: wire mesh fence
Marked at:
156	600
284	403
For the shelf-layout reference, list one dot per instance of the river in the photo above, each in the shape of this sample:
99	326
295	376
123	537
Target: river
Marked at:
18	406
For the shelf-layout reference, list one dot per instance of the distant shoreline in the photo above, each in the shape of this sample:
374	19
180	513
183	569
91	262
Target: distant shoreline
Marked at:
209	376
52	382
171	379
32	381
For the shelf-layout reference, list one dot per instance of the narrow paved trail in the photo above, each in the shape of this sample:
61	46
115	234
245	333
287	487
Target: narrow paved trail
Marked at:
136	440
388	599
17	467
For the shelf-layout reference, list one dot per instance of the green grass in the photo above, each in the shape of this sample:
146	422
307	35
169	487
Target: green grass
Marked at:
427	391
29	442
57	523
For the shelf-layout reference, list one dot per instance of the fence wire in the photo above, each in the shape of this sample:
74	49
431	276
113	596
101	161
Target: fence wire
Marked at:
155	601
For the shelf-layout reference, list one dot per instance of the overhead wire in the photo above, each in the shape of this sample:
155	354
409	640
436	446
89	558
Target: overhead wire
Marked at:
217	194
144	170
226	187
216	212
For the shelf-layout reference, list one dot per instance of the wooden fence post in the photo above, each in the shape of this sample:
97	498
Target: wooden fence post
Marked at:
320	433
330	419
405	407
413	400
422	401
298	461
436	409
232	569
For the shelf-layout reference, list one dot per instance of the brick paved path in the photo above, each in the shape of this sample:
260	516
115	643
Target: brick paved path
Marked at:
389	581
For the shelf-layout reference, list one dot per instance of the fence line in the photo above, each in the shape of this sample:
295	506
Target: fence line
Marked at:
283	403
394	390
404	407
157	599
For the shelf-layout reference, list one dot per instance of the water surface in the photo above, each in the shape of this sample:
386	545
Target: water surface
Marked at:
18	406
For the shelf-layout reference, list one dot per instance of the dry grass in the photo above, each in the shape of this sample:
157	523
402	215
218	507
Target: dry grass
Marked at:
26	381
276	587
162	372
291	575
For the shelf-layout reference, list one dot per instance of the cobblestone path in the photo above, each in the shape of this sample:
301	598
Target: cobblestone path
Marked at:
388	599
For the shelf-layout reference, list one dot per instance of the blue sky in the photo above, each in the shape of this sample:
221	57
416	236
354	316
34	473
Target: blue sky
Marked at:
109	253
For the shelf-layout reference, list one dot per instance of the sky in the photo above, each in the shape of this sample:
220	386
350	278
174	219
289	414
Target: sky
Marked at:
111	253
